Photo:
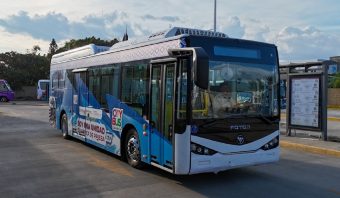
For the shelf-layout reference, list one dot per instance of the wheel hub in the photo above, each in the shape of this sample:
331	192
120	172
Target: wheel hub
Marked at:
133	148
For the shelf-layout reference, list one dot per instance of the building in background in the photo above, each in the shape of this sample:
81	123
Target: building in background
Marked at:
334	68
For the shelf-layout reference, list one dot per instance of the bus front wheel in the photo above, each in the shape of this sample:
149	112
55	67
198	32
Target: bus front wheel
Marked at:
64	126
132	149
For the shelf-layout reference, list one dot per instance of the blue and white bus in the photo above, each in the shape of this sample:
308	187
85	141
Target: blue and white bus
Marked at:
184	100
43	89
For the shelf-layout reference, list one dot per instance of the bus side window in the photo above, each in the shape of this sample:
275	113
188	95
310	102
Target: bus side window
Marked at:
135	86
55	80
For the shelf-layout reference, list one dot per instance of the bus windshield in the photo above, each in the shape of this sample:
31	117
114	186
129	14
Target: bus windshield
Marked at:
236	89
8	87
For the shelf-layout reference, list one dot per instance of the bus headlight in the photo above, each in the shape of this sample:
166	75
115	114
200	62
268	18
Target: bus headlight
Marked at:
201	150
271	144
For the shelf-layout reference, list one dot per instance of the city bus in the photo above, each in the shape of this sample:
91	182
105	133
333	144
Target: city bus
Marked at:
184	100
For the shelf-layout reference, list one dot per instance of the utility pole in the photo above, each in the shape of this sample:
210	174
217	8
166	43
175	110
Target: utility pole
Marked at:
214	15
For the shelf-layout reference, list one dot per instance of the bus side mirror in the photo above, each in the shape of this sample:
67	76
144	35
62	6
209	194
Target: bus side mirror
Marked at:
200	61
201	69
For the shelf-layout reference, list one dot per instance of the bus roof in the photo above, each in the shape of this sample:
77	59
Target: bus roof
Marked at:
172	32
169	34
152	46
78	52
43	80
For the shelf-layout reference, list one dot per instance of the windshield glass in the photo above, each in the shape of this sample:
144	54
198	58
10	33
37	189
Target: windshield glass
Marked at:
8	87
237	88
44	85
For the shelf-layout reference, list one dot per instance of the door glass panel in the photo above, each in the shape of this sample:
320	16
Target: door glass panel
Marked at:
169	96
156	97
183	90
83	91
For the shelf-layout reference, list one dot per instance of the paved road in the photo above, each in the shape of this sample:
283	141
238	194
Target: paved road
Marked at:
36	162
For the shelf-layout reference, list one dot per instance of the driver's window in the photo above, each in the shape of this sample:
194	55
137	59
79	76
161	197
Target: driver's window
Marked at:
3	86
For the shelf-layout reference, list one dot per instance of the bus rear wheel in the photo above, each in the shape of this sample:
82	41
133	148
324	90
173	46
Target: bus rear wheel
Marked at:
3	99
64	126
132	149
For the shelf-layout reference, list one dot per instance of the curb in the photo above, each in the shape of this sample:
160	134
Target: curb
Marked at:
310	149
333	119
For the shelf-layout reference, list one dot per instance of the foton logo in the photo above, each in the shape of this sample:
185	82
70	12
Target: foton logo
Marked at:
240	139
240	127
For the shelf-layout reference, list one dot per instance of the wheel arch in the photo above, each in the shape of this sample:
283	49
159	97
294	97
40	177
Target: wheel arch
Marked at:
125	130
62	112
6	99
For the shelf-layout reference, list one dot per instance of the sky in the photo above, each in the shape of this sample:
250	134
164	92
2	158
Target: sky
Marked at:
302	30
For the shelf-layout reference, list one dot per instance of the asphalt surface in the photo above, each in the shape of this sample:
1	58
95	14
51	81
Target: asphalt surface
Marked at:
36	162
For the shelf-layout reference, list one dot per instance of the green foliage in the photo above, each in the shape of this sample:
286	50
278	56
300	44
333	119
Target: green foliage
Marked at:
26	69
334	81
52	49
88	40
35	49
23	69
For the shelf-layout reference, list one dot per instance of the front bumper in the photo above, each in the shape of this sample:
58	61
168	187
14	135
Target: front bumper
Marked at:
220	161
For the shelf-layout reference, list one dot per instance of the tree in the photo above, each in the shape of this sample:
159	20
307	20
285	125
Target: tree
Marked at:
26	69
334	81
35	49
88	40
52	49
23	69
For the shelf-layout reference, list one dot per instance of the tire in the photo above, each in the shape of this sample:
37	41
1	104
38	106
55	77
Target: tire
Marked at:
132	149
64	127
3	99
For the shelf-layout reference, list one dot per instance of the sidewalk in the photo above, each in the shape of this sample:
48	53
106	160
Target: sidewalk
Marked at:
334	118
310	145
26	102
333	127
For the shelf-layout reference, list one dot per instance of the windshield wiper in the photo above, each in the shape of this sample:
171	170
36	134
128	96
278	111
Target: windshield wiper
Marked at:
261	116
264	118
207	123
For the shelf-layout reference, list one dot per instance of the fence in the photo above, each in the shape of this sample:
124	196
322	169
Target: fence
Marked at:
26	93
333	96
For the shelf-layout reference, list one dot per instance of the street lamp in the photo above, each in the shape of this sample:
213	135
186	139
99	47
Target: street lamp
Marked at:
214	15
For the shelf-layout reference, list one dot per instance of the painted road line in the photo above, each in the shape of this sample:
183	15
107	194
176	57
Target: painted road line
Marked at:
310	149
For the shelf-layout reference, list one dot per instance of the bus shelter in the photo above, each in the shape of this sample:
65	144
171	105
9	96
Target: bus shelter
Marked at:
306	96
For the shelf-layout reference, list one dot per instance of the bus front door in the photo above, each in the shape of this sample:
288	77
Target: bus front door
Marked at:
161	113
